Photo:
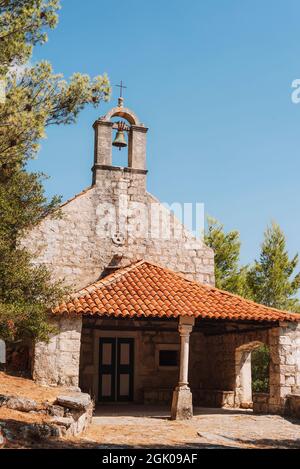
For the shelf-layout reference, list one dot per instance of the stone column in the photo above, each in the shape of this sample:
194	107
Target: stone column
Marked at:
182	403
103	146
284	342
137	147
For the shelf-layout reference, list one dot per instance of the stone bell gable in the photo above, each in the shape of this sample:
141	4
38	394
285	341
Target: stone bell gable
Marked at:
116	221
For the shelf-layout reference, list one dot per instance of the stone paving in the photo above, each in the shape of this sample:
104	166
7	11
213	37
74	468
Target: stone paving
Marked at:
210	428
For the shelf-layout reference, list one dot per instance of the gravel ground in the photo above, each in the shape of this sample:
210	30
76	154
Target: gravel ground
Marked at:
209	428
142	427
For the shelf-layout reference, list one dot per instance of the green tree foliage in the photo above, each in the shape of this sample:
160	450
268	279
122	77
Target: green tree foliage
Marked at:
260	362
22	25
272	278
226	246
35	99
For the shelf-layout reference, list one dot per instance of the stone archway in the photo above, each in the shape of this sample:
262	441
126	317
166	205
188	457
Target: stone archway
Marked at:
243	374
123	112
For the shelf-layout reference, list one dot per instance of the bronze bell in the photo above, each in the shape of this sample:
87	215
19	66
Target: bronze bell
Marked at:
120	140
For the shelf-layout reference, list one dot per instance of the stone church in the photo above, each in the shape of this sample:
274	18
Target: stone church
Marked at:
144	322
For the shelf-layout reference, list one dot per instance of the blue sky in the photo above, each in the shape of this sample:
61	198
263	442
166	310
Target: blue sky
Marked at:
212	80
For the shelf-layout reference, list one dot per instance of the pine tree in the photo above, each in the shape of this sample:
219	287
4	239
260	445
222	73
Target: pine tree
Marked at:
22	25
272	279
35	99
226	246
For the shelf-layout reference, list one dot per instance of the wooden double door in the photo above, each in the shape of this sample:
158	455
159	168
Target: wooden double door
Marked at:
116	369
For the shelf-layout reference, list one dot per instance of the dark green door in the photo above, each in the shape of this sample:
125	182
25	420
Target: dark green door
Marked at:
107	369
116	369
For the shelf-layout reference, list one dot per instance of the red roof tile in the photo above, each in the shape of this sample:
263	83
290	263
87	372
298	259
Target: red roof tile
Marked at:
148	290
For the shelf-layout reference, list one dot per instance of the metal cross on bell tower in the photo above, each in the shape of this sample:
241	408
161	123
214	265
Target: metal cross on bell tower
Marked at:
121	99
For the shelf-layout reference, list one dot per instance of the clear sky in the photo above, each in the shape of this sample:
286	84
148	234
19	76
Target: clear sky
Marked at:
212	80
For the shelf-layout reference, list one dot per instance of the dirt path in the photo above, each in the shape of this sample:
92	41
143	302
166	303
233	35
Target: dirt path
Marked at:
209	428
142	427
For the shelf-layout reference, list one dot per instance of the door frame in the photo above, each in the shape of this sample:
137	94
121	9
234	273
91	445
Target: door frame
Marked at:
115	369
98	334
112	341
130	367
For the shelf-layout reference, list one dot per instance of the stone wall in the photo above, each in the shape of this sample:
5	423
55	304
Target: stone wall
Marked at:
68	415
57	362
151	382
292	408
147	374
227	356
78	248
215	364
222	356
284	343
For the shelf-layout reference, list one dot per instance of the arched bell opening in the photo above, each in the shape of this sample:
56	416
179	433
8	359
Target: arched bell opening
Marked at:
120	142
127	129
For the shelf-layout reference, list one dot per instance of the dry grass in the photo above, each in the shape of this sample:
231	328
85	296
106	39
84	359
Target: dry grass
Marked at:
23	387
13	419
22	417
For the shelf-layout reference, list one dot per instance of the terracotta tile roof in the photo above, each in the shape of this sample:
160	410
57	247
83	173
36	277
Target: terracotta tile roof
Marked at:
148	290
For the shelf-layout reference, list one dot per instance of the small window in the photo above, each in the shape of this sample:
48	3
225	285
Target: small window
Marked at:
168	357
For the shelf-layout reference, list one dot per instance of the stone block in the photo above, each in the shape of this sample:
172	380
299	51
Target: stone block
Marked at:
63	421
68	345
260	397
55	410
3	399
82	401
290	359
274	400
285	340
182	404
39	431
21	404
289	380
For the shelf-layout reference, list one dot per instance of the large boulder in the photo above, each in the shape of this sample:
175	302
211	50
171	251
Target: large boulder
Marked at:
79	402
37	431
54	410
64	425
3	399
2	439
22	404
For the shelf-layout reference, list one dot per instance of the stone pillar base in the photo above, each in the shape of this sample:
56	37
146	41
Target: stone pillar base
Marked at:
182	404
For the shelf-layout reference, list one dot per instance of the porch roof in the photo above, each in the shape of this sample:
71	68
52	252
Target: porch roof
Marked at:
144	289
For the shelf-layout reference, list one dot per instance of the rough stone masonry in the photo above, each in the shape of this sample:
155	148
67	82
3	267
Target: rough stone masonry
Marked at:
85	244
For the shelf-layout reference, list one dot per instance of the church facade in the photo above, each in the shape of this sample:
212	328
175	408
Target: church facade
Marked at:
144	322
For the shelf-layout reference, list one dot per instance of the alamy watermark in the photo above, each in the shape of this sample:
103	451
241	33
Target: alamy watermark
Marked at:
125	219
295	95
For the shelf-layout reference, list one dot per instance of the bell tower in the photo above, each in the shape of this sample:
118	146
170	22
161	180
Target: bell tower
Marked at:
104	132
